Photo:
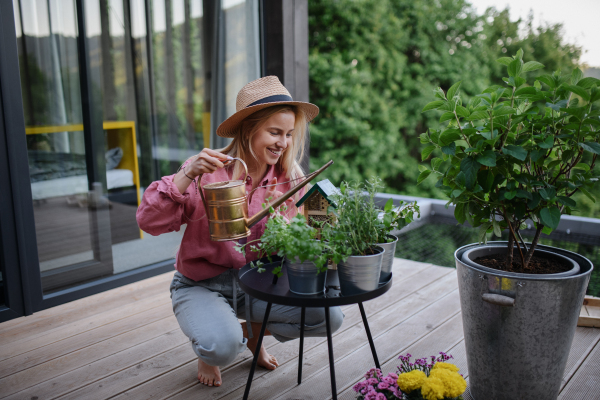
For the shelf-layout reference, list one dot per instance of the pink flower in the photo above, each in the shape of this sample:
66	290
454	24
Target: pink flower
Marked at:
373	381
380	396
383	385
360	387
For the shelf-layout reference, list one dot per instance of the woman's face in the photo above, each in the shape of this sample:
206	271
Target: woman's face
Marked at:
274	137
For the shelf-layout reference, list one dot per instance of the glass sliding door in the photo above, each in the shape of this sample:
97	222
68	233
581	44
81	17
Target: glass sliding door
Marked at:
162	75
70	219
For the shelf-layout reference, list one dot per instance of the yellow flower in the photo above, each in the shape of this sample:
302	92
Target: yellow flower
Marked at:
433	388
412	380
448	366
454	384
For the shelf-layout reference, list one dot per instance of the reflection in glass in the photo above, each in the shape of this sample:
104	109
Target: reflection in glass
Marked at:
242	52
163	77
177	38
46	36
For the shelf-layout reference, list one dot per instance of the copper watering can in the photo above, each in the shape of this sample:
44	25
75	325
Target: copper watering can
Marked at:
226	205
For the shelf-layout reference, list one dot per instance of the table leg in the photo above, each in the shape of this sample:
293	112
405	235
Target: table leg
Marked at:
301	354
364	318
331	361
257	351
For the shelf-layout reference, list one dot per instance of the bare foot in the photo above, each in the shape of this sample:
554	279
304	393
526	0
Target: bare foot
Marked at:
265	359
208	375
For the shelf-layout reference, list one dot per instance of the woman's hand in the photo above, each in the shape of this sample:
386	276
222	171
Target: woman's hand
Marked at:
207	162
274	194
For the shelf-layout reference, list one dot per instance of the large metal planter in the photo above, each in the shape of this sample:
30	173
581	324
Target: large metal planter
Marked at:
360	274
518	349
388	258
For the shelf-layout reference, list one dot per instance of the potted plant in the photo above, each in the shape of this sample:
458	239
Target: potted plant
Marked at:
354	236
432	378
512	154
304	257
391	219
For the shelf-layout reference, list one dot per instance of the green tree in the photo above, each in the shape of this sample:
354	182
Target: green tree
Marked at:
374	64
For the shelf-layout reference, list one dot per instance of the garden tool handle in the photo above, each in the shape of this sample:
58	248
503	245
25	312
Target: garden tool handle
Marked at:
498	299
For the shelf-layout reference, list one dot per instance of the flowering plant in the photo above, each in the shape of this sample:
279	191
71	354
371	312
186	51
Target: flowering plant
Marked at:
377	387
435	380
421	380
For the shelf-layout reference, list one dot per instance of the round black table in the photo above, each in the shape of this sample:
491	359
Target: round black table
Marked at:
267	287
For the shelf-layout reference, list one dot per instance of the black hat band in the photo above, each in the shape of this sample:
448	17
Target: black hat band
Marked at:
271	99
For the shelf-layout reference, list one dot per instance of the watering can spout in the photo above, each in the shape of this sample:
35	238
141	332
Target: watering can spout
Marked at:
250	222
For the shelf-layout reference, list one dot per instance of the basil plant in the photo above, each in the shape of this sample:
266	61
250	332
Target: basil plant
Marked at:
516	152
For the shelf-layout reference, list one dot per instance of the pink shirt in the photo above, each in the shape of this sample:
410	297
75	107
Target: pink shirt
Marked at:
162	210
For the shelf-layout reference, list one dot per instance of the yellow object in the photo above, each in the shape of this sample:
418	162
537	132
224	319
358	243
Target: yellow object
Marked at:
206	128
409	381
454	384
226	206
447	366
118	134
433	388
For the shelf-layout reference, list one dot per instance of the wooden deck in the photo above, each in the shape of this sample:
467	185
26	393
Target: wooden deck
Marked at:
126	344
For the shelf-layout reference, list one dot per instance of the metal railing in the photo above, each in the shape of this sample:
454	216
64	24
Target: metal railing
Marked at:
571	228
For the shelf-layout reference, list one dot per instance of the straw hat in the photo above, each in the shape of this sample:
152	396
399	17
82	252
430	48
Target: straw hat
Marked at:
256	95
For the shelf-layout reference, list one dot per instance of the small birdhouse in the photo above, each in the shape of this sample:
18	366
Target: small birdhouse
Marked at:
316	202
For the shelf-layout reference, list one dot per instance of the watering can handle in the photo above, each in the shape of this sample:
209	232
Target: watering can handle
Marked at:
243	163
229	160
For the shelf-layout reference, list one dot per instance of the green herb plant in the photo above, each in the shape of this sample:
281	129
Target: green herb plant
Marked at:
358	226
292	240
395	218
516	152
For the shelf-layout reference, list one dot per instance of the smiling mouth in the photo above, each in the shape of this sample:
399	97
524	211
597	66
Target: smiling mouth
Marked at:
277	154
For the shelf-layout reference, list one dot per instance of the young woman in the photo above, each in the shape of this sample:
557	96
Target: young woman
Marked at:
268	131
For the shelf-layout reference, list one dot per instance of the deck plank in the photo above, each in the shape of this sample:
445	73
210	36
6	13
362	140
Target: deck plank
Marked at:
126	344
443	338
360	360
83	340
583	342
412	277
79	383
45	320
77	359
585	384
351	336
35	341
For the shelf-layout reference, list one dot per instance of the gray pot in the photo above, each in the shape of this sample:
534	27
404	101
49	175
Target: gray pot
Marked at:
518	328
304	278
482	251
360	274
388	258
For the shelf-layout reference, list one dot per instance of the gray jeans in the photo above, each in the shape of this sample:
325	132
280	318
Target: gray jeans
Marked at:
205	313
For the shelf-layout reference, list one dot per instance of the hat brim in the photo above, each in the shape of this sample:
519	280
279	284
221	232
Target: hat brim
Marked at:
228	128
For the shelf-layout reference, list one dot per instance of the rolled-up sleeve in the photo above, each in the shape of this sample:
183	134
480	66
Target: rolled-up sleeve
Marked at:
162	207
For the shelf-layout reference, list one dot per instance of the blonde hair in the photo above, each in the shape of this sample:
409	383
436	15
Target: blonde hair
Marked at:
241	146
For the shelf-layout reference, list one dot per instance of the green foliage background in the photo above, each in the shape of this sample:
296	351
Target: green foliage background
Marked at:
374	65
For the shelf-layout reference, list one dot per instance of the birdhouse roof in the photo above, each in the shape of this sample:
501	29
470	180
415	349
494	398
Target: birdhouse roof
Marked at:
324	187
